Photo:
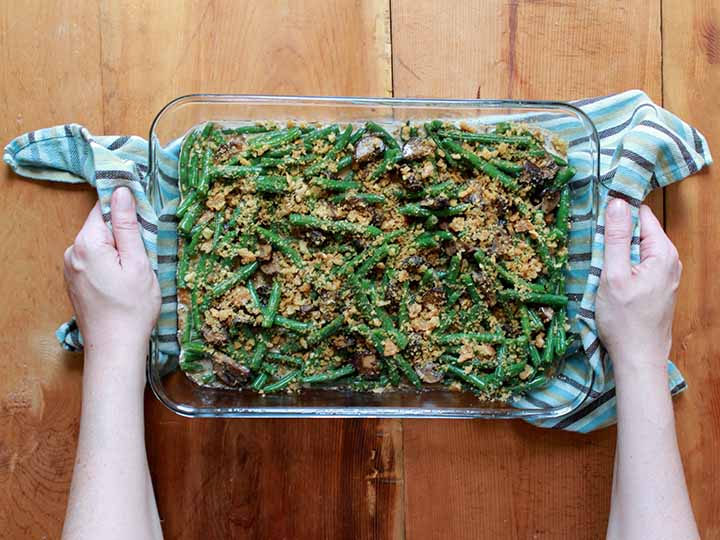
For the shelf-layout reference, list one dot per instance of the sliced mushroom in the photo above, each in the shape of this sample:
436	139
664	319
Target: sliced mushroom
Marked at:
546	313
264	252
417	148
368	148
414	262
435	296
438	203
214	335
229	371
430	373
366	362
413	183
550	200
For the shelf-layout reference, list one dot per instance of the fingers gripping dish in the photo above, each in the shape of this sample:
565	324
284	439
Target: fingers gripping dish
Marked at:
373	257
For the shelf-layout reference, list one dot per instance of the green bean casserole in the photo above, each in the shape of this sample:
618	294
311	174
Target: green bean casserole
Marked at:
371	257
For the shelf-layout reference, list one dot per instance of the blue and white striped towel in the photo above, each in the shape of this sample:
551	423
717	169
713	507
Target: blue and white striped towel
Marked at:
642	147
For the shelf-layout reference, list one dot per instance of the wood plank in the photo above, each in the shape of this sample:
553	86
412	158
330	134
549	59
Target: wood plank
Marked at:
296	479
503	479
242	478
156	51
530	50
50	74
691	81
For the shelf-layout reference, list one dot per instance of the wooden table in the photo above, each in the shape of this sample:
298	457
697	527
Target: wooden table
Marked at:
112	65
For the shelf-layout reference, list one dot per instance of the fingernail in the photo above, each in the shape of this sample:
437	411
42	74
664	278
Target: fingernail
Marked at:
123	199
617	209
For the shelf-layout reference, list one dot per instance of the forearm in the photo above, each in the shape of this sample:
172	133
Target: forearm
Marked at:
111	494
650	498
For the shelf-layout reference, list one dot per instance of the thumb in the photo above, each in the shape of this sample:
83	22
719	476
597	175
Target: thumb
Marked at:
125	226
618	235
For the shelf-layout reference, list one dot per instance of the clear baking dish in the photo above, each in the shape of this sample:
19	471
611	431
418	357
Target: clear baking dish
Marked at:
184	397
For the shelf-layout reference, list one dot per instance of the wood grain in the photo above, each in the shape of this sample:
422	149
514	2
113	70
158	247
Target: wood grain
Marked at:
258	479
531	50
691	80
281	479
112	65
506	480
154	51
49	74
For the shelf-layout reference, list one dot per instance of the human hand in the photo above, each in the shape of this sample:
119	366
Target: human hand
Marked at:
110	282
635	304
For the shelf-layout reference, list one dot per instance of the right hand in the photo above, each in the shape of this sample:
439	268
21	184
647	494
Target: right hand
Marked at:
635	304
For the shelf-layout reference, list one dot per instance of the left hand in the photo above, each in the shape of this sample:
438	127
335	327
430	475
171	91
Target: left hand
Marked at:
110	282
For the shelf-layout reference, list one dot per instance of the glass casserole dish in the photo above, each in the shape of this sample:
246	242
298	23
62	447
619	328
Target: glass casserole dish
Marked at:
175	120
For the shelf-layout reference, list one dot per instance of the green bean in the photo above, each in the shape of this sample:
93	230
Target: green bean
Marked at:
337	226
271	308
563	176
203	183
182	268
414	210
555	300
245	130
563	213
335	185
480	164
274	139
234	171
549	348
502	127
507	166
188	220
481	383
357	135
407	370
271	184
286	359
449	339
185	160
185	205
282	382
267	162
191	367
217	230
440	188
389	140
282	245
309	138
329	375
487	138
196	236
392	157
535	322
259	382
192	168
452	210
374	258
483	260
340	144
368	198
453	269
239	276
560	337
293	325
258	354
536	383
254	297
326	331
439	148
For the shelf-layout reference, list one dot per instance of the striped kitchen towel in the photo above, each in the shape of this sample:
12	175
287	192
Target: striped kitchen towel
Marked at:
642	147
